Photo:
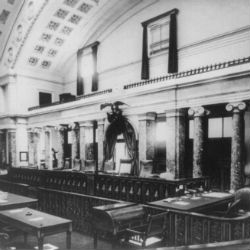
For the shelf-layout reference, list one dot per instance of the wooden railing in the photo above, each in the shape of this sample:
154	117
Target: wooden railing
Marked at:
76	207
127	188
184	228
143	190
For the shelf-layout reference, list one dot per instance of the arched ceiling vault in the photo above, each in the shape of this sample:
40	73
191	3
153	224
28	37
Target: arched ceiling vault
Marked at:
39	36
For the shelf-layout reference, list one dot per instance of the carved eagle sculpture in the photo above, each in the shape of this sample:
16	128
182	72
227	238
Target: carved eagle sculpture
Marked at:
113	106
116	111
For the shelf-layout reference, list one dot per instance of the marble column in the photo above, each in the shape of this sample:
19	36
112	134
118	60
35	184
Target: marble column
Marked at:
12	147
60	154
175	142
237	171
2	147
100	140
147	136
47	148
200	135
75	142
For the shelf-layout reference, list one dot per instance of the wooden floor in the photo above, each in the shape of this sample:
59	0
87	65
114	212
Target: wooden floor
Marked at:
84	242
58	242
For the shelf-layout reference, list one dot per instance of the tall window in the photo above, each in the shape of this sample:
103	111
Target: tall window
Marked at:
87	68
160	33
158	36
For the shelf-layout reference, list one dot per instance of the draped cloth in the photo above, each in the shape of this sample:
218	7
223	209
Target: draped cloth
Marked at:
173	54
121	126
79	81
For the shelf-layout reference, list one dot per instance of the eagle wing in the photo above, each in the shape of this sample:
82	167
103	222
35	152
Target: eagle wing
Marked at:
118	103
104	105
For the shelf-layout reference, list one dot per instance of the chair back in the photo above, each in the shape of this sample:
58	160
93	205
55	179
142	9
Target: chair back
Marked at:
146	168
109	166
243	195
156	224
77	165
125	166
89	165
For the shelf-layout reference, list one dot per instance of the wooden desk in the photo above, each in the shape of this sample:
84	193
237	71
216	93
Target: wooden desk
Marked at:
200	203
37	223
16	201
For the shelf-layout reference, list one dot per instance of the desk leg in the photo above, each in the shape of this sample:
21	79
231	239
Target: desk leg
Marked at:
68	238
25	236
40	237
95	239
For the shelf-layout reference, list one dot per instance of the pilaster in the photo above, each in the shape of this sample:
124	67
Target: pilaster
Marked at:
147	136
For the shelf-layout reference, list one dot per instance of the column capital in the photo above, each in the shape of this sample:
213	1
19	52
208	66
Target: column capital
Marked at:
236	107
86	124
100	122
175	113
198	111
147	116
74	126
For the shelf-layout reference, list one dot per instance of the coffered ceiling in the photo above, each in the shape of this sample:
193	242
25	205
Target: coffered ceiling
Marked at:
40	35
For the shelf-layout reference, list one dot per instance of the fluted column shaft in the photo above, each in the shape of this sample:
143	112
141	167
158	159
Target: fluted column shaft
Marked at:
200	135
237	171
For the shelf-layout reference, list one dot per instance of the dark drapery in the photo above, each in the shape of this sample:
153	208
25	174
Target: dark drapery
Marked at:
117	127
145	62
95	74
79	81
130	139
172	54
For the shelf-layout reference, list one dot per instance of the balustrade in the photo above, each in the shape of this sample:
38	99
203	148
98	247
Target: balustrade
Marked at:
127	188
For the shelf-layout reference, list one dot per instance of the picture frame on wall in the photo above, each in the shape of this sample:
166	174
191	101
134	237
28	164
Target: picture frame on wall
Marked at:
23	156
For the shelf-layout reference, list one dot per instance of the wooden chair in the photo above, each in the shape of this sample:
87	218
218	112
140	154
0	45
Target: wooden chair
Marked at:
146	168
4	238
89	165
109	166
125	166
148	234
243	195
77	165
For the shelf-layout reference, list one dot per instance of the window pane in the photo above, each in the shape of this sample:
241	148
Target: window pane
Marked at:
160	131
155	33
87	65
227	127
191	129
164	32
215	128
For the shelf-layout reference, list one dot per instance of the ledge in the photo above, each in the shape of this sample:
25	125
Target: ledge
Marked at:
191	72
72	100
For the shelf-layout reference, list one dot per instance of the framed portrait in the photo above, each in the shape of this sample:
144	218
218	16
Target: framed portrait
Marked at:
23	156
